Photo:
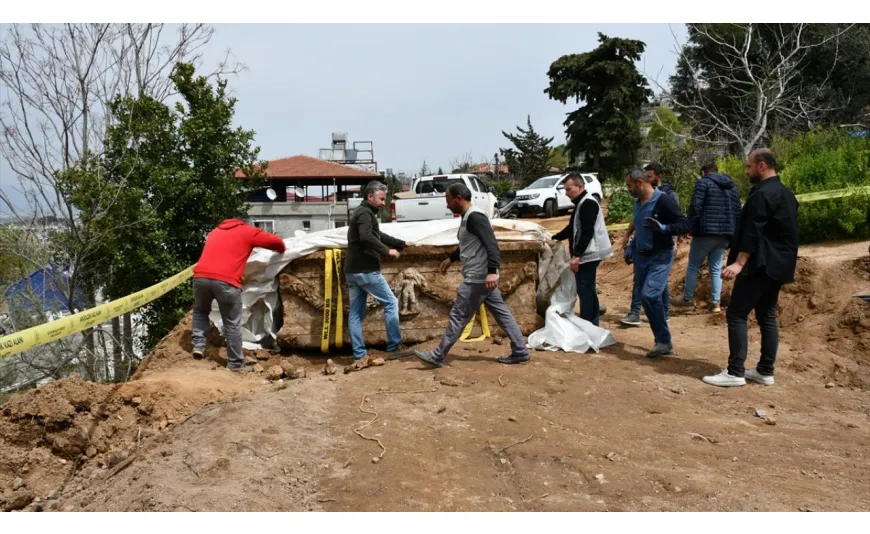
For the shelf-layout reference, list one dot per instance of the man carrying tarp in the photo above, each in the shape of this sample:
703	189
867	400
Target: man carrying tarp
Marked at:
218	276
478	251
588	244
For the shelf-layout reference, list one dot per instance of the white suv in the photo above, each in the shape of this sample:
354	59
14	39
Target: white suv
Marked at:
547	195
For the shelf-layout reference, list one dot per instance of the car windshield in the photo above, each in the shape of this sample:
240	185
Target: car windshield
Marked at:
543	183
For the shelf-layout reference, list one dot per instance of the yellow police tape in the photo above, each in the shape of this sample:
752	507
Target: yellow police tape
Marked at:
484	328
48	332
834	193
332	259
803	197
327	301
339	309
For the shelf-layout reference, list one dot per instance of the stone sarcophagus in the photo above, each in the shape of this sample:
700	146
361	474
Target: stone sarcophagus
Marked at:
425	295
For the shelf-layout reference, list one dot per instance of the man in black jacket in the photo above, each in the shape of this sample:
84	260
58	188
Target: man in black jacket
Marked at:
657	219
656	174
366	245
714	212
763	257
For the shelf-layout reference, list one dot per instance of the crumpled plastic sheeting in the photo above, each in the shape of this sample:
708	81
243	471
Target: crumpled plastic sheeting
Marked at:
562	329
260	300
554	259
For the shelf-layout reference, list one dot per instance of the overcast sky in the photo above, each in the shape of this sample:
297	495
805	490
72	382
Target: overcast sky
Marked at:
417	92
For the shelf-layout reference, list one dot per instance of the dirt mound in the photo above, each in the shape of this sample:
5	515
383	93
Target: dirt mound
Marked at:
48	433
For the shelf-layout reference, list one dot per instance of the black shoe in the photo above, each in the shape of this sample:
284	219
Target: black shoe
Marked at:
514	358
430	358
198	354
401	351
661	349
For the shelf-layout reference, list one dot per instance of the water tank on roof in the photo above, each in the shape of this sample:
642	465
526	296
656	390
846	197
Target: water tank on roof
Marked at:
339	140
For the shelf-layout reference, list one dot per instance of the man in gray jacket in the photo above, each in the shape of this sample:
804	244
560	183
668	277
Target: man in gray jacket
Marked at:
478	251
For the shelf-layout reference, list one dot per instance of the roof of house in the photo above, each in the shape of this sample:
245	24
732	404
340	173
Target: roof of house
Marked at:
488	167
308	167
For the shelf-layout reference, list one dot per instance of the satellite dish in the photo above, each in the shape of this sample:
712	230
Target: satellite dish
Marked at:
271	194
300	192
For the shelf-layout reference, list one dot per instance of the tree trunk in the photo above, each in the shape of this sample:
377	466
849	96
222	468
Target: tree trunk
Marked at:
117	351
128	345
90	345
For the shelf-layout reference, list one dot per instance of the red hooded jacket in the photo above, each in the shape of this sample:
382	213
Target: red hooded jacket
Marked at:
227	248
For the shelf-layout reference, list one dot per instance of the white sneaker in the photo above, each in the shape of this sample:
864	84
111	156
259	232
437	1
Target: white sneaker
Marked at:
755	376
724	380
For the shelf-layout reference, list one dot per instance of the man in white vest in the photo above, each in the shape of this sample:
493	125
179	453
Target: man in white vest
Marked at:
588	244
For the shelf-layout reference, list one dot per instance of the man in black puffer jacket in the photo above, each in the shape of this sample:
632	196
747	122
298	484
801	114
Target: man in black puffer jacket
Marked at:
714	213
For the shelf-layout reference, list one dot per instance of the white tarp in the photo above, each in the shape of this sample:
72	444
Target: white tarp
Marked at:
562	329
260	284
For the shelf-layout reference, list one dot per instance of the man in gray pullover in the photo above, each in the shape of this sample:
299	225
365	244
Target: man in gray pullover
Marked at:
478	251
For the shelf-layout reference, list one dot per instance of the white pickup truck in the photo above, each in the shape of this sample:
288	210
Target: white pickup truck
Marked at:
426	200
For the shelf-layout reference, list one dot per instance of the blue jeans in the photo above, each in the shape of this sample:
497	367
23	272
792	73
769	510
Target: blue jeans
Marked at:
360	285
712	249
585	277
635	294
651	274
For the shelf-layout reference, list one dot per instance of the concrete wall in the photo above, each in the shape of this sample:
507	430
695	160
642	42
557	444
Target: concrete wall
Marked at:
287	217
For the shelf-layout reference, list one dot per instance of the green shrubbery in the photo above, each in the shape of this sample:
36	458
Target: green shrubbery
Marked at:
620	206
820	161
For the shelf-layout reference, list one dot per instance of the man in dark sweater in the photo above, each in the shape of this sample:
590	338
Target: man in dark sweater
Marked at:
657	219
763	257
588	244
478	251
713	213
366	245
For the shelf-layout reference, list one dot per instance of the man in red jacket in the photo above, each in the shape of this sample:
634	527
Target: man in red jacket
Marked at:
218	276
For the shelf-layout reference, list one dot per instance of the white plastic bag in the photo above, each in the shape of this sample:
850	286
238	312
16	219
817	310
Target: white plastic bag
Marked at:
565	331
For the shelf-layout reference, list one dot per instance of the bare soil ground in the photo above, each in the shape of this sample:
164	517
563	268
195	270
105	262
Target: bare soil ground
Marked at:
609	431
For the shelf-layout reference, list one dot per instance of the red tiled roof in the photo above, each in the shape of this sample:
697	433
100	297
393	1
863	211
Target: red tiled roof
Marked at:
487	167
308	167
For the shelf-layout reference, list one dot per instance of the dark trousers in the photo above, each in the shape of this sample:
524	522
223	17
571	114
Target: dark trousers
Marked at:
229	299
756	292
588	293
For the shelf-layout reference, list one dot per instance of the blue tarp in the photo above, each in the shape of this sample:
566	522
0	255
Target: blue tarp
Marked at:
48	285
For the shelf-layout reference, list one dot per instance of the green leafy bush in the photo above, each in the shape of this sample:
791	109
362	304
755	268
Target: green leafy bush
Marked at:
820	161
620	206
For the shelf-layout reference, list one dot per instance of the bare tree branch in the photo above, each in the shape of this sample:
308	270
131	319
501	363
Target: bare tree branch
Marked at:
761	79
56	85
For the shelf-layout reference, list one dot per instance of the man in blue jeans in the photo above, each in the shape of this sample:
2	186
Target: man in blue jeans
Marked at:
655	173
657	219
366	245
713	213
588	244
